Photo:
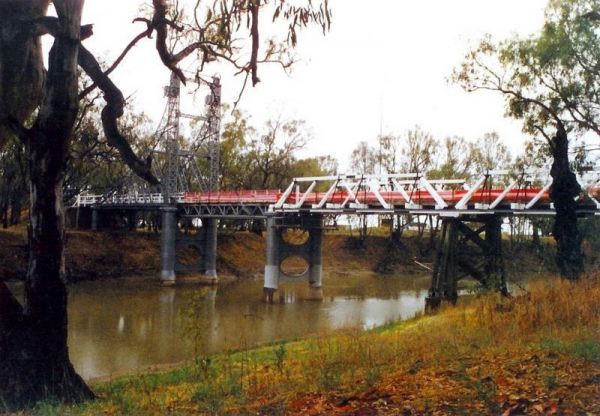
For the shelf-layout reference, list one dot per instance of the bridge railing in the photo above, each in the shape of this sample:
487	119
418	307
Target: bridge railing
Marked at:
241	197
387	193
85	199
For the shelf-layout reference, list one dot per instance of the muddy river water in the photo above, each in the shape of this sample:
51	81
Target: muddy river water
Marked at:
127	325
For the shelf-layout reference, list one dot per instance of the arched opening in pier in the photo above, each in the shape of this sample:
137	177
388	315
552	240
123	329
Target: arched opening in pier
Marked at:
294	266
295	236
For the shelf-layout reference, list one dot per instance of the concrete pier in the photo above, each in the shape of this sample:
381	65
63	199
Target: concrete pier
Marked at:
279	250
315	277
168	237
272	262
95	219
131	220
210	248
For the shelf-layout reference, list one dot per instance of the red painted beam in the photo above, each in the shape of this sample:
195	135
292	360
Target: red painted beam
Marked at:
421	196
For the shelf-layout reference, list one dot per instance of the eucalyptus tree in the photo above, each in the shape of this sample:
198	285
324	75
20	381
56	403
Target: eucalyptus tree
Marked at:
272	153
419	151
363	159
488	153
549	81
388	154
39	106
454	159
267	157
233	146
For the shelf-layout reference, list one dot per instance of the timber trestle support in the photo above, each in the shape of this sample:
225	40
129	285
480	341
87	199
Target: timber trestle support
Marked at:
463	251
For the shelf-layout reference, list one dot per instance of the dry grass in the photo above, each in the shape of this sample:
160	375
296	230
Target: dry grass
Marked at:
534	354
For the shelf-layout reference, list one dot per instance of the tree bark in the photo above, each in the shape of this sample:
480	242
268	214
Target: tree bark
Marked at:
21	60
563	191
34	357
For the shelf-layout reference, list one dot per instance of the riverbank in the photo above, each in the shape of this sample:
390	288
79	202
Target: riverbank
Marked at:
96	255
538	353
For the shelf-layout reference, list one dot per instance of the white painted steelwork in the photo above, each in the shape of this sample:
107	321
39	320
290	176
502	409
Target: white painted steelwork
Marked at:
406	193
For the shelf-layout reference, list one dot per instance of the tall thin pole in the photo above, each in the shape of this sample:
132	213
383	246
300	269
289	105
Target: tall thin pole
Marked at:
171	173
380	131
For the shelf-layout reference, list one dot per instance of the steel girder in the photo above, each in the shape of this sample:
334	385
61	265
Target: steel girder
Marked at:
224	211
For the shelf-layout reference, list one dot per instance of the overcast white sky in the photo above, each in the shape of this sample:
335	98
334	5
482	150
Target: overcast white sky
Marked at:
383	60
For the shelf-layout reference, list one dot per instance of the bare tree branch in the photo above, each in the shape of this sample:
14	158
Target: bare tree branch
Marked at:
159	23
50	25
111	113
146	33
254	7
545	135
238	99
113	110
593	15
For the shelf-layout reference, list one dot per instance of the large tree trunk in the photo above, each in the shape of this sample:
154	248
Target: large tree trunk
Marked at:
34	357
34	362
21	60
564	189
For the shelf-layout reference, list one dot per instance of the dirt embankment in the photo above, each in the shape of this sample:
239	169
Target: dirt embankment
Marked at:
93	255
90	255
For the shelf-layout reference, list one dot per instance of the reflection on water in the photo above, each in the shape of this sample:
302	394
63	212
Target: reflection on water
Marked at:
124	326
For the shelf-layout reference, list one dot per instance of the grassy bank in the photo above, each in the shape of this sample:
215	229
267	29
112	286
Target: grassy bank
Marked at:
538	353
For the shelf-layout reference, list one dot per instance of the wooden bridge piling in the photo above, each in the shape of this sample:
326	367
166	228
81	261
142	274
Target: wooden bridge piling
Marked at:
462	252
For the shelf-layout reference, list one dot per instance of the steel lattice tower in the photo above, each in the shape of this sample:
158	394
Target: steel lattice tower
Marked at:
171	130
180	165
213	124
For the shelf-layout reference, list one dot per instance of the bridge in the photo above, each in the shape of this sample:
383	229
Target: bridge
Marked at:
472	210
307	202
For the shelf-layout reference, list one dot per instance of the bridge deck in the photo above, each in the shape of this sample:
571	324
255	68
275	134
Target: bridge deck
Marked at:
260	204
366	194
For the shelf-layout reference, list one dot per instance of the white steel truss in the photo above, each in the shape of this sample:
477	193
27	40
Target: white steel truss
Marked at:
389	193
